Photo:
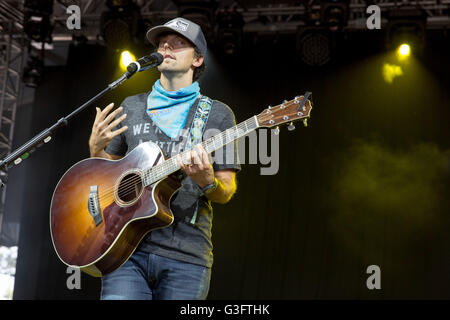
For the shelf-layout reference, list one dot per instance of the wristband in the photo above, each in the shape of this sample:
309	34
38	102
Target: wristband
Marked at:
210	188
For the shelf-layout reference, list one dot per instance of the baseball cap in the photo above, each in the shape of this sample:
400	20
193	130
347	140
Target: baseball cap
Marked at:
182	26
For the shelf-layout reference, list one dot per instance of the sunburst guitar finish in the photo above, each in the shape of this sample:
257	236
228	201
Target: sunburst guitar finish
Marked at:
101	209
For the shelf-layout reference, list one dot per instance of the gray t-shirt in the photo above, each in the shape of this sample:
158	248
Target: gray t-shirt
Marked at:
188	238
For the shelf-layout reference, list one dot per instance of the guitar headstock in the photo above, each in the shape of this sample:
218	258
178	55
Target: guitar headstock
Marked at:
289	111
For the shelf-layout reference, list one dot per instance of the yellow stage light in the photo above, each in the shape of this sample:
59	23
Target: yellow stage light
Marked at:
126	58
404	50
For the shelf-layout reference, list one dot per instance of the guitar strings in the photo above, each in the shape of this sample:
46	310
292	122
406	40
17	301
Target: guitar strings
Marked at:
132	182
129	186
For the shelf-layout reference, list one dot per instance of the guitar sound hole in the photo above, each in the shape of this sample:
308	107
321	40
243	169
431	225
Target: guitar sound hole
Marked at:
130	187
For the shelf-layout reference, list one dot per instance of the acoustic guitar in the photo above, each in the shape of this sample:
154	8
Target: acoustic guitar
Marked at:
101	209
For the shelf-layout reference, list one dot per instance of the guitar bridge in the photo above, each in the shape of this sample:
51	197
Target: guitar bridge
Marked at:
94	205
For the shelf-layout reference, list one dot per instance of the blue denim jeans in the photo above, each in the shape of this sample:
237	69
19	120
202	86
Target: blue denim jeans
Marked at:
146	276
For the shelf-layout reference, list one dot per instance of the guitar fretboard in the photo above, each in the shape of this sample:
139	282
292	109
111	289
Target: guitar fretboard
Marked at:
169	166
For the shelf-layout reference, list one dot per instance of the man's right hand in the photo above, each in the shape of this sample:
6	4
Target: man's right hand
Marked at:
102	132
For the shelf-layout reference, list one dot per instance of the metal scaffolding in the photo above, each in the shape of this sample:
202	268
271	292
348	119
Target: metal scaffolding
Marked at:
259	16
12	55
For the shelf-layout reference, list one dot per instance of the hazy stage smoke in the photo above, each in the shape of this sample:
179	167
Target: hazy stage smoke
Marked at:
385	200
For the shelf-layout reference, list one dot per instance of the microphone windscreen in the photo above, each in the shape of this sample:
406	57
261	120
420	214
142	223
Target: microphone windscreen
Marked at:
132	68
158	56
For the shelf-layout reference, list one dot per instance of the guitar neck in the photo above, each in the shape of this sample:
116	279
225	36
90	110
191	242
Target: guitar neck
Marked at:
169	166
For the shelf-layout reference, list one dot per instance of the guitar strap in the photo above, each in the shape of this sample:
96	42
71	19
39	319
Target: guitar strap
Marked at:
199	123
196	133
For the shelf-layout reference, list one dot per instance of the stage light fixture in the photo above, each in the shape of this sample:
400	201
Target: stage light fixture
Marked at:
229	32
120	25
314	45
334	14
202	12
79	40
126	57
404	50
37	22
406	26
33	71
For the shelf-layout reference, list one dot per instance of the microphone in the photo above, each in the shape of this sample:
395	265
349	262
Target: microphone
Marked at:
146	62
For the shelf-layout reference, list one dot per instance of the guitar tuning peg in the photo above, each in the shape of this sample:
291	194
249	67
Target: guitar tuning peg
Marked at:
291	127
305	122
277	131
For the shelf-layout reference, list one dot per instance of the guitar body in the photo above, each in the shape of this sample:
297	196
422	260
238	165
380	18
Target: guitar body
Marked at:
100	209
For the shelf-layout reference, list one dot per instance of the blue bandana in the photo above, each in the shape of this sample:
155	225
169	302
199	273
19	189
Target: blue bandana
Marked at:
169	109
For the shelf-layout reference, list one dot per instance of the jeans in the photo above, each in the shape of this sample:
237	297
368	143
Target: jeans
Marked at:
146	276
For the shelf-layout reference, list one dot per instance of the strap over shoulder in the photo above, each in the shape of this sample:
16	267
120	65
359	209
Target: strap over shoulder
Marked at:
199	123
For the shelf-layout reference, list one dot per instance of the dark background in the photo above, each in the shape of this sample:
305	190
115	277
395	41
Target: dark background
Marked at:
366	183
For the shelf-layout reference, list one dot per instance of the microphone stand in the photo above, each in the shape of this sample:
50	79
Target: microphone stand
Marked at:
23	152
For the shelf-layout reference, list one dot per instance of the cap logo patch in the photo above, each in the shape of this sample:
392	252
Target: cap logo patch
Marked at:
178	24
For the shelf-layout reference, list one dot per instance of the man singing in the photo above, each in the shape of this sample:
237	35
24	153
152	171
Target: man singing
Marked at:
174	262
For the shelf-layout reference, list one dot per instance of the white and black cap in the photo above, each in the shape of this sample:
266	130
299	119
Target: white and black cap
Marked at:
184	27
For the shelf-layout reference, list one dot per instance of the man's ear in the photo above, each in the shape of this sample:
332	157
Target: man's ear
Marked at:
198	61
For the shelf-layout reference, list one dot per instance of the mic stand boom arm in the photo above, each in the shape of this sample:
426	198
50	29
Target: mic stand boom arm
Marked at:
23	152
